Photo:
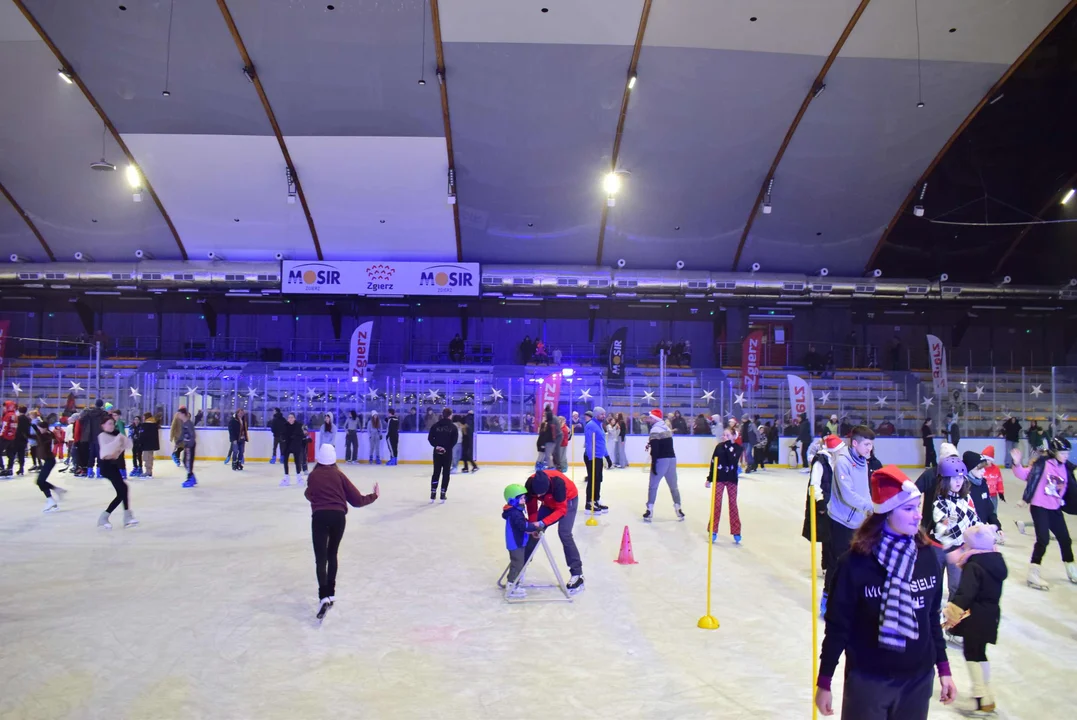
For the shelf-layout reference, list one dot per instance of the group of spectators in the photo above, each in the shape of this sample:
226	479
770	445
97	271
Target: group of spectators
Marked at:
678	353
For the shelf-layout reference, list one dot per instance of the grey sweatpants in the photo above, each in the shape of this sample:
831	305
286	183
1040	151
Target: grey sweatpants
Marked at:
147	461
873	698
663	468
517	558
564	531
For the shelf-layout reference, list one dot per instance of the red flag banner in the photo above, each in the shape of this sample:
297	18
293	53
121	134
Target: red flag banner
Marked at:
751	354
549	394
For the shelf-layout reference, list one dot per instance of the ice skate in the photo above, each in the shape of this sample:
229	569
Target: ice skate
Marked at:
442	498
370	460
300	480
59	493
515	592
1020	526
285	481
714	538
433	497
323	607
273	460
680	514
1034	580
1071	572
575	584
190	482
176	460
647	517
736	539
129	519
50	505
89	473
102	521
378	461
332	600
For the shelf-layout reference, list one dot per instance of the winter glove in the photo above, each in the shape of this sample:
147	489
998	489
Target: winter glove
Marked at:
1002	497
708	485
818	494
609	463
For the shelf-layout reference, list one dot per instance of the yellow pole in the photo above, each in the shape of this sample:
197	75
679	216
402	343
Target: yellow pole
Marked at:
708	621
814	595
591	521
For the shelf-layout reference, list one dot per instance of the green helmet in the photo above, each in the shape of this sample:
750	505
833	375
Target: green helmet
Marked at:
514	491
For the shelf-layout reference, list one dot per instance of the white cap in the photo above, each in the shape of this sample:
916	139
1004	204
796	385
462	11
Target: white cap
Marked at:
947	450
327	455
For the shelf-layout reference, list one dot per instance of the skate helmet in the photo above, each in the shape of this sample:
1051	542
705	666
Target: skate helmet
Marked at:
1057	445
952	467
514	491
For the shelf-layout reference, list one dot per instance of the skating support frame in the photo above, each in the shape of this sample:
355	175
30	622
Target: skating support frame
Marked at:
501	583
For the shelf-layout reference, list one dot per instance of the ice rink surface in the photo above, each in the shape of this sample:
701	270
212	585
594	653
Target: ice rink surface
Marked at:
206	610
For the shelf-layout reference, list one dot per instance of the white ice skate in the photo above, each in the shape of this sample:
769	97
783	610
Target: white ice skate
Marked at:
50	505
58	493
515	593
300	480
1071	572
1034	580
102	521
285	482
129	519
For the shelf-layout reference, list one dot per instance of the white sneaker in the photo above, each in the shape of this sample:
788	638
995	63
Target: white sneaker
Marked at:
50	505
285	482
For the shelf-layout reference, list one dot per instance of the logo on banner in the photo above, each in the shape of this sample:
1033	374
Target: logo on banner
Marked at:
446	276
379	277
549	394
937	354
314	276
801	400
615	369
752	350
359	354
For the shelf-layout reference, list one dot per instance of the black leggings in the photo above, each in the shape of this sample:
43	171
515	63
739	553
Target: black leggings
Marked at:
351	445
285	454
111	470
1050	522
442	465
326	530
975	650
930	459
43	477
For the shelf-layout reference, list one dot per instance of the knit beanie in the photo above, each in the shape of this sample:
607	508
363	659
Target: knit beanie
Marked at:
947	450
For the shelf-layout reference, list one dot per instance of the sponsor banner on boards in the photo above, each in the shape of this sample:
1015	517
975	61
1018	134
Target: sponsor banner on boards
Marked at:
379	278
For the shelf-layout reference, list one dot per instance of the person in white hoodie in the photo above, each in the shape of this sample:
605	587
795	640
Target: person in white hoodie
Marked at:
850	499
112	445
663	463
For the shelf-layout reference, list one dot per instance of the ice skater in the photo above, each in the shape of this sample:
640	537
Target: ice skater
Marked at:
724	461
151	442
517	528
374	429
111	446
442	437
53	494
850	499
1046	483
663	463
594	455
552	498
330	492
189	440
974	613
292	445
884	613
392	437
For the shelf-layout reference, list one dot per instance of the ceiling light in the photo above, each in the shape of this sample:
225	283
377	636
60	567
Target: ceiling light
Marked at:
632	82
248	72
102	165
66	76
134	177
1068	196
611	183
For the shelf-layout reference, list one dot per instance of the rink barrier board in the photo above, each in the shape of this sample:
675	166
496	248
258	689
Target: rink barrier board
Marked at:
693	451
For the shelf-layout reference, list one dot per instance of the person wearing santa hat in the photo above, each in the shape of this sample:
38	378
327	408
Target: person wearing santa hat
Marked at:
996	488
819	484
884	613
663	463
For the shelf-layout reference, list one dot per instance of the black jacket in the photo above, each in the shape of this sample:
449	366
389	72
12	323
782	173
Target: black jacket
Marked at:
149	435
443	434
981	499
852	619
822	525
22	429
392	426
726	456
278	425
928	485
292	437
1011	429
979	593
927	434
804	431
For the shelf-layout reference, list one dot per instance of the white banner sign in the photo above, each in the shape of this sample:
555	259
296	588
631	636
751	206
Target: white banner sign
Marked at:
359	349
379	278
936	353
801	399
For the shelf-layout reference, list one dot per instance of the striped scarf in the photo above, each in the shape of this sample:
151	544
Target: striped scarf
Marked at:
897	616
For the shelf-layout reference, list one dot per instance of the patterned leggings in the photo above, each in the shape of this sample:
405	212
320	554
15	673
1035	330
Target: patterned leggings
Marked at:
734	512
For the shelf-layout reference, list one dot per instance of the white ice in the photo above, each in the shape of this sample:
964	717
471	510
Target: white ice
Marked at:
206	610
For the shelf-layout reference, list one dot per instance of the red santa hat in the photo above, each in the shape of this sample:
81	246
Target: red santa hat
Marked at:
891	488
656	413
988	452
833	443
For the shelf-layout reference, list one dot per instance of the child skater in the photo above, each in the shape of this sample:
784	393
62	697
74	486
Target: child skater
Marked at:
725	459
1046	481
48	461
330	492
953	513
821	479
974	611
112	446
517	529
884	613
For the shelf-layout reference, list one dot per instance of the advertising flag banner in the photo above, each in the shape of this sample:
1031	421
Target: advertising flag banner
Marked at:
615	369
382	277
936	353
5	325
801	399
549	393
359	349
751	354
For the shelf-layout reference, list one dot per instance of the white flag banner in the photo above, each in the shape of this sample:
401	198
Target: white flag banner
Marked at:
801	399
359	349
936	353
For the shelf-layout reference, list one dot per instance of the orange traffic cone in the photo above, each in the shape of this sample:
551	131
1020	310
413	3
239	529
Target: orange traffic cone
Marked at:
625	556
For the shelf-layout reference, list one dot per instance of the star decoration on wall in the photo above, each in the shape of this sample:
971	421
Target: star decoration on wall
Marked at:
980	391
191	391
927	402
824	398
311	393
135	393
16	388
881	402
1062	417
900	415
433	396
1037	390
708	395
75	387
648	396
738	399
585	395
496	395
373	394
252	392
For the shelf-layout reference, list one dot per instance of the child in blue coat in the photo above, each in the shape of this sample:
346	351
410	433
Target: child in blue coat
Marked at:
516	530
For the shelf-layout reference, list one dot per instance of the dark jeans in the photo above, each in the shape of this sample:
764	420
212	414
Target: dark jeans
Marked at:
442	466
598	470
136	456
930	458
840	539
564	531
873	698
111	470
188	458
237	451
394	444
43	476
1050	522
351	445
326	530
277	445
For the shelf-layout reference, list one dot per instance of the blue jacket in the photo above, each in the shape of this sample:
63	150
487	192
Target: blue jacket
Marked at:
516	526
593	433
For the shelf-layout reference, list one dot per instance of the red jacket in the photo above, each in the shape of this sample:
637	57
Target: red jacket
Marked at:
330	489
9	425
562	489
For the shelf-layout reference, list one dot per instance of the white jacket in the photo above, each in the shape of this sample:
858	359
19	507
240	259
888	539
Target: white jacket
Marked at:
112	446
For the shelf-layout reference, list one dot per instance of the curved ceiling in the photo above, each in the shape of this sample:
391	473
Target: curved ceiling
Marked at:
533	93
